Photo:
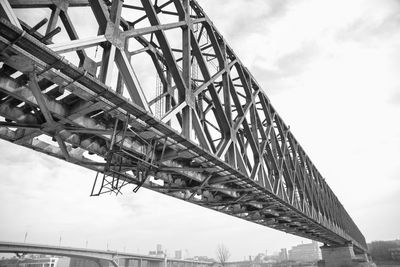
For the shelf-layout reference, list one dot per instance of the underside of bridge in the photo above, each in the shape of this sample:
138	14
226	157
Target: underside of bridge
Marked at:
149	93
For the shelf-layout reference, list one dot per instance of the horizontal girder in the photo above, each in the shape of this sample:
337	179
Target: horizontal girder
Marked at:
207	133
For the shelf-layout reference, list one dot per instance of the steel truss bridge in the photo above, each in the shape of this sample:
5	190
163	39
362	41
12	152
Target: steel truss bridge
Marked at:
149	93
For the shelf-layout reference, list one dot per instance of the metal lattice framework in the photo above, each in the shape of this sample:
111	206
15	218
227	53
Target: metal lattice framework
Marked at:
205	132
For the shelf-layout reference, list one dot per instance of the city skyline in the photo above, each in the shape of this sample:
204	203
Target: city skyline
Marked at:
312	248
330	70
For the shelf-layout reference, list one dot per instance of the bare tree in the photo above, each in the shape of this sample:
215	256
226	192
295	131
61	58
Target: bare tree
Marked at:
223	254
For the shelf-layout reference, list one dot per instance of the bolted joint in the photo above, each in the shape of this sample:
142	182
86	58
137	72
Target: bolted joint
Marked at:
189	99
21	63
114	36
61	4
232	135
90	66
53	128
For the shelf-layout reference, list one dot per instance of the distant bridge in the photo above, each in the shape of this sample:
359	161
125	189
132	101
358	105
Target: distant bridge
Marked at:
154	96
103	258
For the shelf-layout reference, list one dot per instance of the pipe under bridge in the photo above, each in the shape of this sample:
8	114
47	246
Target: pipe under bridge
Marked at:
149	93
103	258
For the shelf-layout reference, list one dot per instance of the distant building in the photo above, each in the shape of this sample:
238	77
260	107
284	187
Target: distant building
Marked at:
395	253
159	248
305	252
283	255
178	254
159	252
203	258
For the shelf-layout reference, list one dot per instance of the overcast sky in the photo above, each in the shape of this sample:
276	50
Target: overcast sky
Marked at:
330	69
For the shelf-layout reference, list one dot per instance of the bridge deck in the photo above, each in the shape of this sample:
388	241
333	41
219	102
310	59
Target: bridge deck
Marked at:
114	257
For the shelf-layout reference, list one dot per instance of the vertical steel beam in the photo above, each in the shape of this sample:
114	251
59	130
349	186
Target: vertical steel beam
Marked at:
201	135
110	49
107	62
115	13
186	59
230	155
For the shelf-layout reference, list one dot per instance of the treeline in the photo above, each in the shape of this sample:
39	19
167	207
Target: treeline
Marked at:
380	250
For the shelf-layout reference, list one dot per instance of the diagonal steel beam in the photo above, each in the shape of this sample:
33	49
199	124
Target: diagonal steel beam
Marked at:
220	113
36	91
7	12
165	47
101	13
130	79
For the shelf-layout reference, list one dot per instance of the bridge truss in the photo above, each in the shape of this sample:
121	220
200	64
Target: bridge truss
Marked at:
149	93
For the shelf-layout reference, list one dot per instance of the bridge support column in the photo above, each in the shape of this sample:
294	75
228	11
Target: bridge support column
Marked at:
343	256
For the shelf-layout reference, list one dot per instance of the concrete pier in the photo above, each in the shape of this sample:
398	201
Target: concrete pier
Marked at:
343	256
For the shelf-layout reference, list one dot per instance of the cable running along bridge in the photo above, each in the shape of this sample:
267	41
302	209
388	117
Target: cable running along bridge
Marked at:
149	93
